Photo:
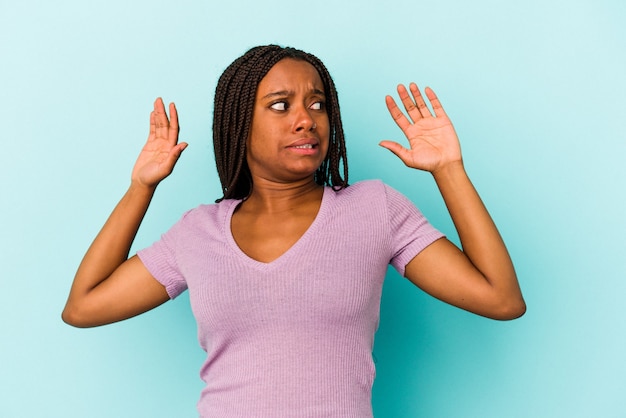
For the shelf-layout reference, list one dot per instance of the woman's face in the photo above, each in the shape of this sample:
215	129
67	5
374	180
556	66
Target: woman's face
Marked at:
290	130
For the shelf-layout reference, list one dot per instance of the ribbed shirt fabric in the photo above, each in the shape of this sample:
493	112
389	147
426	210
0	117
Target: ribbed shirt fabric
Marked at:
293	337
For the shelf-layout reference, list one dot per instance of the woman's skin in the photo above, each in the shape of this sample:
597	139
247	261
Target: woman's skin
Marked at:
288	141
481	278
108	287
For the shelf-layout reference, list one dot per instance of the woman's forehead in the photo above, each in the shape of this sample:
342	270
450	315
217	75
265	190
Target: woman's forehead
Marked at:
290	73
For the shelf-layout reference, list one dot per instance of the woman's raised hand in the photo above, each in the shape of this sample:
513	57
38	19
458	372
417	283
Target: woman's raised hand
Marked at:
432	139
158	157
109	286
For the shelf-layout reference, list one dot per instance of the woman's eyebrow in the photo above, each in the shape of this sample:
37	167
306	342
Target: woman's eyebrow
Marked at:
287	93
281	93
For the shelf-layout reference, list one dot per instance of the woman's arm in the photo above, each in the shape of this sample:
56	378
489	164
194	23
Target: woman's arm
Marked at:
479	278
109	287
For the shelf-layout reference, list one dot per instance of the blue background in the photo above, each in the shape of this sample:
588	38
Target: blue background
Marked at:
536	90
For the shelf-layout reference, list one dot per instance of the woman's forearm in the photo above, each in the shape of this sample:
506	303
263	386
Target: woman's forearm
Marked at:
112	244
105	288
480	240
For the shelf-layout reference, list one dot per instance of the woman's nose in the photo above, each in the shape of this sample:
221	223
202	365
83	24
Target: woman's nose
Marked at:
303	120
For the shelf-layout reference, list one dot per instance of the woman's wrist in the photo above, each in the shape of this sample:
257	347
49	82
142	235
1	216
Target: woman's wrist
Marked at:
449	170
140	189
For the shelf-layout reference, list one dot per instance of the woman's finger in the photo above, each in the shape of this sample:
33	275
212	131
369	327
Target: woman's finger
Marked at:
409	104
174	128
397	115
419	101
152	133
401	152
434	101
161	121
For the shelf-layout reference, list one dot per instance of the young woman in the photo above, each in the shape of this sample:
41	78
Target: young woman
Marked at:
285	271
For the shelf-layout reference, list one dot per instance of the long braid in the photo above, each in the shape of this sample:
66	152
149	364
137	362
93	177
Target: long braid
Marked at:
232	119
337	147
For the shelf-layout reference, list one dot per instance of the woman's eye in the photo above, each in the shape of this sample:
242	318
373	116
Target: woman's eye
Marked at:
317	106
279	106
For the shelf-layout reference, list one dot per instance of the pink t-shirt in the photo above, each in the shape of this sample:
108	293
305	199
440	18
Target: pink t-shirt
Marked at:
293	337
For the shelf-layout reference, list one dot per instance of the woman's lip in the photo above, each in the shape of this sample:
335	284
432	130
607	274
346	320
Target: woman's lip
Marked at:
305	146
305	149
304	141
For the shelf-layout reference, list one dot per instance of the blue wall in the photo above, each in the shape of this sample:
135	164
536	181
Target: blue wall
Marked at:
537	92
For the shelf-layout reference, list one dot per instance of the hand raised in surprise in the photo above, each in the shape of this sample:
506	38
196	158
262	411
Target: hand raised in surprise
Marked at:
432	139
161	151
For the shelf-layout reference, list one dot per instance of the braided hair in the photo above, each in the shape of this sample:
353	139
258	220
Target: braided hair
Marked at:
232	118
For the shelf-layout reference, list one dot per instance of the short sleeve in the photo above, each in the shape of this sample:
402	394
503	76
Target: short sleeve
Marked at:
161	260
410	230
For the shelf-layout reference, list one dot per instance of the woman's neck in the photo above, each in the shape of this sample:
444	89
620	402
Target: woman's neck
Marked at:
272	197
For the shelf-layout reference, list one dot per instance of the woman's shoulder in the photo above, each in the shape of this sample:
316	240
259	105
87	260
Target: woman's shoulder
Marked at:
363	186
366	189
209	212
366	195
371	194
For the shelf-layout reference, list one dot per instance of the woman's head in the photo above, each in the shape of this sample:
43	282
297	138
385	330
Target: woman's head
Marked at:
232	119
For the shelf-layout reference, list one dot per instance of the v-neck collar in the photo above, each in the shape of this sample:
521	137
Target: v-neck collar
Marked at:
288	254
